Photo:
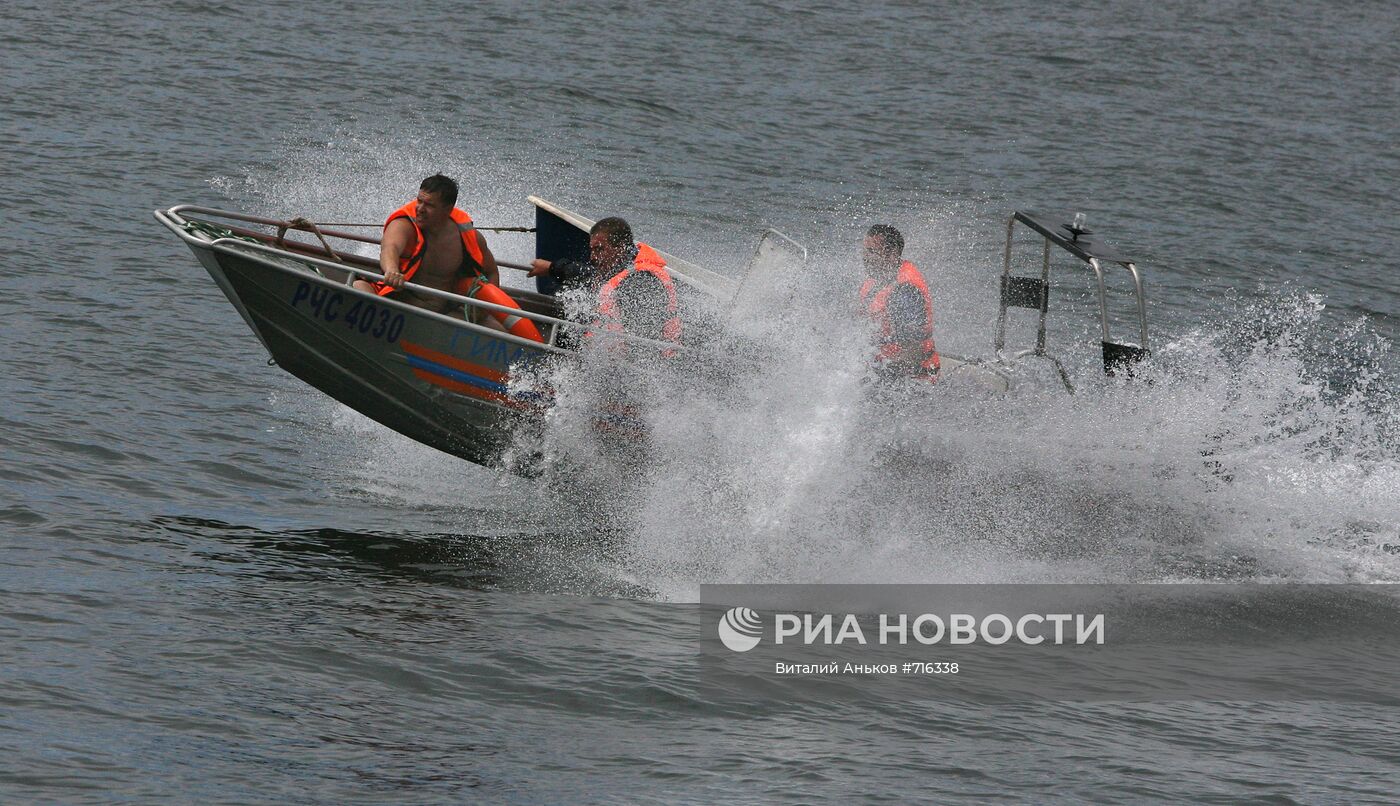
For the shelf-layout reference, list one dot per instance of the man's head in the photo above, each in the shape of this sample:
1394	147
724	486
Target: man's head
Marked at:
436	198
609	242
884	247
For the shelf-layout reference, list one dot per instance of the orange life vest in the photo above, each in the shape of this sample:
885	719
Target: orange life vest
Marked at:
910	276
410	260
650	262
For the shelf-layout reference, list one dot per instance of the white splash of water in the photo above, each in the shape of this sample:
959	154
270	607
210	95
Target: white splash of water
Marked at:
1263	449
1232	456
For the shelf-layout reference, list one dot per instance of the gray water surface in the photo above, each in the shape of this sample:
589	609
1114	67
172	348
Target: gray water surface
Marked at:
219	585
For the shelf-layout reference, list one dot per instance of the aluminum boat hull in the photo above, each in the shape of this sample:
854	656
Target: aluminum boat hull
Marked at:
435	379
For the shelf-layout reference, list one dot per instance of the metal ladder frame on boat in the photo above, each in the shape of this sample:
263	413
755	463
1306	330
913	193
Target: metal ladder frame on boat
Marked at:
1034	293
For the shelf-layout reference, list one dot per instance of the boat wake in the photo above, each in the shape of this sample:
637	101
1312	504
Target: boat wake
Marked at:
1264	450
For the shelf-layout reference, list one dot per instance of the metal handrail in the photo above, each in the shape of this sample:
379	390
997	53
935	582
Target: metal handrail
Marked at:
254	219
1103	295
234	246
272	222
1094	263
416	288
1141	301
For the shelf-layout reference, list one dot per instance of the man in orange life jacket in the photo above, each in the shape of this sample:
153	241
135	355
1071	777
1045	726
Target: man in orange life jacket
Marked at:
635	291
431	243
896	297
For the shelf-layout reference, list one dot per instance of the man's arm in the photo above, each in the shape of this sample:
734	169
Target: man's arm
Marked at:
565	271
396	239
488	264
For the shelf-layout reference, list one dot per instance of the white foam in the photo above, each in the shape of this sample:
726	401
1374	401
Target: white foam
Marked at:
1232	459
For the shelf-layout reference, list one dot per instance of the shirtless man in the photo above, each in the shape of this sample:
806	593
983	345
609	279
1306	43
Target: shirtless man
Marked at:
431	243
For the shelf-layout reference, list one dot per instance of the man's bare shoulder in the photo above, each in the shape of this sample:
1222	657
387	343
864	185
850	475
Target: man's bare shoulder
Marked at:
400	229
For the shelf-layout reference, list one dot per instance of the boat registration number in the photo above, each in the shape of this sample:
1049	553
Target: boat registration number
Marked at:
378	321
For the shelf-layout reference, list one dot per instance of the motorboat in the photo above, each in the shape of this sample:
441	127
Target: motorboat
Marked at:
446	382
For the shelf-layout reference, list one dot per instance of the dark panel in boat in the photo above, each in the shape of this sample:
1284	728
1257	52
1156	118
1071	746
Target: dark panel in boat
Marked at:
556	238
1025	292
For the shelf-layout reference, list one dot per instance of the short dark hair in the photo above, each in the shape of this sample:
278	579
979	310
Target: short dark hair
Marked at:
889	236
617	231
442	187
